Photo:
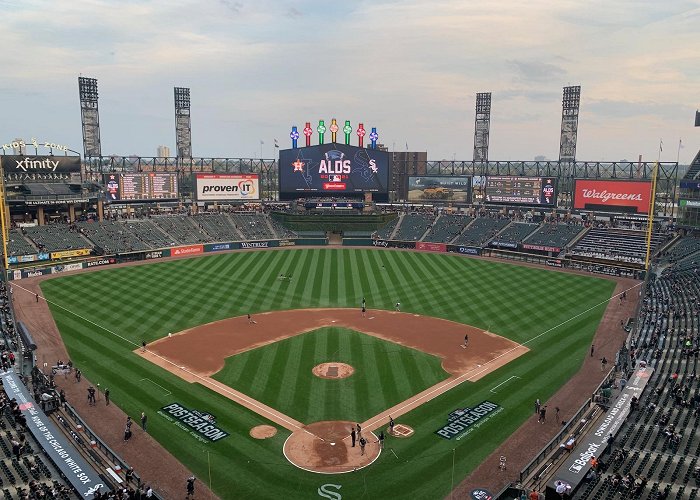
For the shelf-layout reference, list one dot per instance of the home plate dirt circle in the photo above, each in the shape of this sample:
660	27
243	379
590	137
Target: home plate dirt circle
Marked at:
262	431
333	370
326	448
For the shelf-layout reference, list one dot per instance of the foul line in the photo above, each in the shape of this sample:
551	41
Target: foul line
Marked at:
152	382
205	381
446	386
499	385
462	378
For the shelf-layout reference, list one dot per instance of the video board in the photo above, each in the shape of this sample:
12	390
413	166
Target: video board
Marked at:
514	190
612	195
332	170
434	188
141	187
226	187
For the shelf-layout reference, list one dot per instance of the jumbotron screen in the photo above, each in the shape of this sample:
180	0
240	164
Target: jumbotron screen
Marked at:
521	190
332	170
141	187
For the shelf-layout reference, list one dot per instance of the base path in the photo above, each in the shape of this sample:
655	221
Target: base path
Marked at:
197	353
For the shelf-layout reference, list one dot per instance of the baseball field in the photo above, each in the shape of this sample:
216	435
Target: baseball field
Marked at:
215	354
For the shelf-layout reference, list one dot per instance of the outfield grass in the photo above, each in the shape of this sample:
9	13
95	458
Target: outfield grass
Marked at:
146	302
385	375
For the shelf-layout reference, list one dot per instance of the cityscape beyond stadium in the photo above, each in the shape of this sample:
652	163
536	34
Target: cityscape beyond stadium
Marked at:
327	284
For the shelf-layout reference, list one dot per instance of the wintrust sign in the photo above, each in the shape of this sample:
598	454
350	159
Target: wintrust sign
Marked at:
613	195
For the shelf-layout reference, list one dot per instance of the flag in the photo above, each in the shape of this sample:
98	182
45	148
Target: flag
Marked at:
697	118
276	144
661	145
406	145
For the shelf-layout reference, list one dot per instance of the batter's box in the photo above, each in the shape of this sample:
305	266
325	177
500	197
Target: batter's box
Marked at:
402	431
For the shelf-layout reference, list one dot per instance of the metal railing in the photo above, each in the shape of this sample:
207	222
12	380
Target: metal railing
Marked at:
111	455
554	443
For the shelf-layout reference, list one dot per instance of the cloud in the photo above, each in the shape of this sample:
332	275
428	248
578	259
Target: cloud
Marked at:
233	6
535	71
409	67
293	12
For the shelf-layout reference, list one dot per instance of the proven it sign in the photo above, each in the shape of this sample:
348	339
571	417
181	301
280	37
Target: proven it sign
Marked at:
612	195
227	187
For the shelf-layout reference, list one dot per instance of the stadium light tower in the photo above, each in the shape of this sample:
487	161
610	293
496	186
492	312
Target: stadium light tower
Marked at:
90	117
482	125
567	139
183	128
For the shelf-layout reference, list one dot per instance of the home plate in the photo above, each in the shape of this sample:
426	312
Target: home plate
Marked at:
332	444
332	321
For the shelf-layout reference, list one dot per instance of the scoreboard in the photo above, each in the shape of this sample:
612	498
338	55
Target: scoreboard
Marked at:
141	187
521	190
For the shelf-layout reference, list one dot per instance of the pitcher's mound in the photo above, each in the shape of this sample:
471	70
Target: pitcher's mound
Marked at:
326	448
262	431
333	370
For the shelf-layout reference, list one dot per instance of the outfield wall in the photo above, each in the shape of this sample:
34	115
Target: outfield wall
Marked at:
179	251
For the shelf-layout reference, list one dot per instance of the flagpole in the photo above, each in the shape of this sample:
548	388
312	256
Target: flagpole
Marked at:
680	145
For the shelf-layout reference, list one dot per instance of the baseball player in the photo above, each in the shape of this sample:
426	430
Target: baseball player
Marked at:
364	311
398	307
466	341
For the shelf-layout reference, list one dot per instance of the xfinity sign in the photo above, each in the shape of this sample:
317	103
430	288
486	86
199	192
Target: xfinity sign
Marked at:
227	187
40	164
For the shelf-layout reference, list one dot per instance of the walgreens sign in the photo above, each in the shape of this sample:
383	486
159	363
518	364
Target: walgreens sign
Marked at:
612	196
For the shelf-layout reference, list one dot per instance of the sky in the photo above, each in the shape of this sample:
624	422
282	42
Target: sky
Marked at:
411	68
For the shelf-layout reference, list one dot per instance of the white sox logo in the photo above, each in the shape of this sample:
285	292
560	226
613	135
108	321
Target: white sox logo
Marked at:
323	491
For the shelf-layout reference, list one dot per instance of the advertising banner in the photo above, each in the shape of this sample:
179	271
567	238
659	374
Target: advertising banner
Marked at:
554	263
332	169
432	247
70	253
612	195
100	262
66	267
218	247
541	248
504	244
259	244
34	273
689	203
158	254
187	250
39	164
464	250
578	463
56	446
436	188
15	259
226	187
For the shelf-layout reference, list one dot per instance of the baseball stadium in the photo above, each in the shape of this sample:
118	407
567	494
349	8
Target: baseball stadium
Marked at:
347	322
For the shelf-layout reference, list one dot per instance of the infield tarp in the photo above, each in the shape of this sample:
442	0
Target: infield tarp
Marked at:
55	444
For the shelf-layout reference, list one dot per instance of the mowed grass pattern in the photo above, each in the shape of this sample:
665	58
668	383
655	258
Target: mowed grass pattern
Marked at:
385	374
104	315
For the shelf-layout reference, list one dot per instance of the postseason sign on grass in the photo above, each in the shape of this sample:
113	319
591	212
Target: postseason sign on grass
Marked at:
199	424
462	421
